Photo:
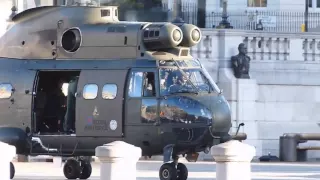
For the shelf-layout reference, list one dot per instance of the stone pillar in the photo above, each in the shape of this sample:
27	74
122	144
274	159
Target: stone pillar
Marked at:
242	94
57	161
118	160
233	160
7	153
246	111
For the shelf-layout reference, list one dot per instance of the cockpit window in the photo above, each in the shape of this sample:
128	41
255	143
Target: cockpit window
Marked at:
215	86
142	84
174	80
181	63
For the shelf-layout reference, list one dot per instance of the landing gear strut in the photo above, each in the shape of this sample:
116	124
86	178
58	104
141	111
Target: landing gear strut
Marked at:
77	168
172	170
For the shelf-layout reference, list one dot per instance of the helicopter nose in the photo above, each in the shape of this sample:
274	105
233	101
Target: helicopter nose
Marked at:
221	116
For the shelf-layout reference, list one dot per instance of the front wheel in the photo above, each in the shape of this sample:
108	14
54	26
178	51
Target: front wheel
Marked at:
86	169
182	171
168	172
12	170
72	169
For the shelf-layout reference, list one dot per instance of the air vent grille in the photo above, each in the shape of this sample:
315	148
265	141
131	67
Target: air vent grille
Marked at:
184	52
105	12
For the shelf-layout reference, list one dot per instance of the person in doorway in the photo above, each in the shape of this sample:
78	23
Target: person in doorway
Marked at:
53	109
61	98
69	119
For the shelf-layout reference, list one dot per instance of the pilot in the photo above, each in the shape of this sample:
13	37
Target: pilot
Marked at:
176	84
163	81
69	119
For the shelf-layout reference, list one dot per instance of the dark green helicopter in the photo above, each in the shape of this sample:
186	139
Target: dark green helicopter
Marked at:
129	81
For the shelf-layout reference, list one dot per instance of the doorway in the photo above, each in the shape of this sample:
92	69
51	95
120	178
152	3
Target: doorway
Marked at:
50	101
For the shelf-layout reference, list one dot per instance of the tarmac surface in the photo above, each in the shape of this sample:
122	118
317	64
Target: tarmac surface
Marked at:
148	170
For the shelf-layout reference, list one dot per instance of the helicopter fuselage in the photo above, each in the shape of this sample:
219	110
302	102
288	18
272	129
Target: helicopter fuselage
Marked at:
110	104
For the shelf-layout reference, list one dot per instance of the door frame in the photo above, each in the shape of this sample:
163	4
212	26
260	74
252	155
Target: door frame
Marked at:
128	98
33	102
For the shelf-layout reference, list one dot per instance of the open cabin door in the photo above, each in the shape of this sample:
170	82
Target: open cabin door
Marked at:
99	103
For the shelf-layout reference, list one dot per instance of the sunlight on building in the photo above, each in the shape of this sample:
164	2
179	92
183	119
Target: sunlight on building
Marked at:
5	11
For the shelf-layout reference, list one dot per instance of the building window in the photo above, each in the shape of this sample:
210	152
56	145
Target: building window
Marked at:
109	91
5	91
310	3
257	3
90	91
318	3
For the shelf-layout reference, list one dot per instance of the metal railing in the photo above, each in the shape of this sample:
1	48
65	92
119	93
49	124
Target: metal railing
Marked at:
277	21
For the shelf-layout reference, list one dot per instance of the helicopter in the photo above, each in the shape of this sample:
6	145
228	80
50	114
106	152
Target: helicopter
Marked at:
126	81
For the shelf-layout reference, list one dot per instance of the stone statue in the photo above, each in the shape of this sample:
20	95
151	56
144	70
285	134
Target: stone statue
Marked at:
241	63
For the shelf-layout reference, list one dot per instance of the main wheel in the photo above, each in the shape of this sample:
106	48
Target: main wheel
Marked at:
182	172
72	169
168	172
12	170
86	169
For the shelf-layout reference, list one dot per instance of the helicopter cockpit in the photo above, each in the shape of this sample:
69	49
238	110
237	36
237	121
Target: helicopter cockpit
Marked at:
188	94
185	76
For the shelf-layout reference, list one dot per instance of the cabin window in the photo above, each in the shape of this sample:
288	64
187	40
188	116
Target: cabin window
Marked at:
90	91
142	84
5	91
109	91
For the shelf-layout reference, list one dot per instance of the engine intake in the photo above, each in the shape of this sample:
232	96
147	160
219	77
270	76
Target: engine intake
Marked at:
71	40
162	36
191	35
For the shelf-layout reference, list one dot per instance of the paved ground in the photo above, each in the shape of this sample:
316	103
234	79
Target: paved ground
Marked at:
148	170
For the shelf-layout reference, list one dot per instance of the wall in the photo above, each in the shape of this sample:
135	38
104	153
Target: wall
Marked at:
283	95
297	5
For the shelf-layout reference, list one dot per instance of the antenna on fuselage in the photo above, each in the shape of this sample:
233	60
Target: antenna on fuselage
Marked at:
241	124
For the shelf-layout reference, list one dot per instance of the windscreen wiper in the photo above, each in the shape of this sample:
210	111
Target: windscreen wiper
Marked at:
184	74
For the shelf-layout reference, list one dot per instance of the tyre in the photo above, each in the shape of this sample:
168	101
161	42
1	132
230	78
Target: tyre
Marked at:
86	169
72	169
182	172
12	170
168	172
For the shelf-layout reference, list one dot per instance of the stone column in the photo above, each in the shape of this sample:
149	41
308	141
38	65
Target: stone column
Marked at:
7	153
233	160
57	161
118	160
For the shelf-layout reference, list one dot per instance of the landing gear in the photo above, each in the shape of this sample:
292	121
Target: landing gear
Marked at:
12	170
77	168
173	171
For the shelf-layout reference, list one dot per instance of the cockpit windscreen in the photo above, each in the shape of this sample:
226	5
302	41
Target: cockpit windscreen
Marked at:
187	78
